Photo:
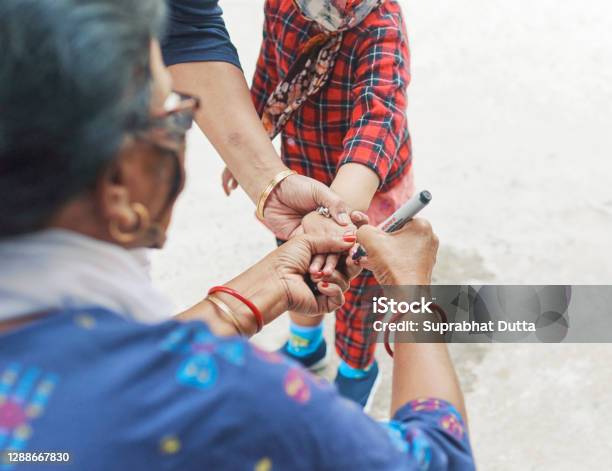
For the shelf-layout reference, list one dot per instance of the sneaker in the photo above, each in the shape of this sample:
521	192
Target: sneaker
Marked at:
360	390
314	361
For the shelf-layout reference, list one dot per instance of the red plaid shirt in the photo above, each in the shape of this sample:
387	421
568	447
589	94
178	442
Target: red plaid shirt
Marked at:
359	116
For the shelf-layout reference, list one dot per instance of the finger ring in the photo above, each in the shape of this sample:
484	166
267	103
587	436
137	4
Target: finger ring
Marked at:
323	211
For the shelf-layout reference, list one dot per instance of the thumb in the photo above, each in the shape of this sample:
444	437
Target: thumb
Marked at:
338	209
297	231
370	237
359	218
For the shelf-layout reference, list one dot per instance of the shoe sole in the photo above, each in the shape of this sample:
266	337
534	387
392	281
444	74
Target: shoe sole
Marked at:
375	386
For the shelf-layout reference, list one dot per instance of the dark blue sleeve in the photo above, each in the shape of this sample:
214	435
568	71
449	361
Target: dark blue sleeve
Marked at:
433	433
315	428
196	32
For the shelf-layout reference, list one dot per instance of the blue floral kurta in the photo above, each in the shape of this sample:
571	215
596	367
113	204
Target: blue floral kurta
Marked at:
119	395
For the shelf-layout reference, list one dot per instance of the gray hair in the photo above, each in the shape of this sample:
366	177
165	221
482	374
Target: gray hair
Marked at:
74	80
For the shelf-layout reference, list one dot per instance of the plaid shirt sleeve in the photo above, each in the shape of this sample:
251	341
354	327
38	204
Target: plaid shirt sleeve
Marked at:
265	79
378	122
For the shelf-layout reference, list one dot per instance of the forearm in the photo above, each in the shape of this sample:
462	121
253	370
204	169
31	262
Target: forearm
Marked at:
229	120
419	369
424	370
269	297
356	184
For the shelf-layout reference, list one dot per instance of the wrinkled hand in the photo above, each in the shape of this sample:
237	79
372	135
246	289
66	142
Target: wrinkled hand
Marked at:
228	181
297	196
290	263
405	257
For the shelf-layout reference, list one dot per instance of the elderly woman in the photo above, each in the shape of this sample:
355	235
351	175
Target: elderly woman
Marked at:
91	163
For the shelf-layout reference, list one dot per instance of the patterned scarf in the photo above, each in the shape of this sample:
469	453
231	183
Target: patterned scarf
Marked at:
316	58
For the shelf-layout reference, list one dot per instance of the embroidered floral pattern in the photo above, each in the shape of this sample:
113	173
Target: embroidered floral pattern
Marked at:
452	425
24	394
296	386
200	368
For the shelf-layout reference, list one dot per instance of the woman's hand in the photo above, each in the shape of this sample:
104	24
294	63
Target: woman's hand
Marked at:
405	257
297	196
277	284
291	262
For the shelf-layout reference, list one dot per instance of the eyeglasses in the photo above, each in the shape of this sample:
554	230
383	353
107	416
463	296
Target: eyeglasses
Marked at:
177	116
179	110
166	131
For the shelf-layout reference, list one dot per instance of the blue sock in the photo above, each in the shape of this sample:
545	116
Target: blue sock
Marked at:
354	373
304	340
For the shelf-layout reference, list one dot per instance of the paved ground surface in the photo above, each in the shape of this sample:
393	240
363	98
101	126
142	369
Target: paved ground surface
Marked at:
510	110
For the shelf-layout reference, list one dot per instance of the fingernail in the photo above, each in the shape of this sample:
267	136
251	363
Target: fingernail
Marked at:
356	262
349	237
343	218
319	273
325	284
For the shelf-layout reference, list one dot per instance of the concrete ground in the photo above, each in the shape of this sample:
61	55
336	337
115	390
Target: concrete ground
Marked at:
510	111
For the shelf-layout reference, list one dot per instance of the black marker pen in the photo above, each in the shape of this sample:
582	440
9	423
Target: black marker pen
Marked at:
400	217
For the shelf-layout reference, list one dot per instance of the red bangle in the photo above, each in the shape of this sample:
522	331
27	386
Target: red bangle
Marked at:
437	309
232	292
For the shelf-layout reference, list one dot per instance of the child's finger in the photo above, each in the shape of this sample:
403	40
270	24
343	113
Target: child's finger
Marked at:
316	266
225	181
330	264
339	279
359	219
228	181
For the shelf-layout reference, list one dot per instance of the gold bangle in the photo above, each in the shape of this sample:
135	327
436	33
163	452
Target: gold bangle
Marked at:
228	313
261	202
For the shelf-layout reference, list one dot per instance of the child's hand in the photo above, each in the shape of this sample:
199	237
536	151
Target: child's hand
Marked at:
228	181
313	223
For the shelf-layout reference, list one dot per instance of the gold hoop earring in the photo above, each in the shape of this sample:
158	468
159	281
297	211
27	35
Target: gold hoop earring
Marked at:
142	226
